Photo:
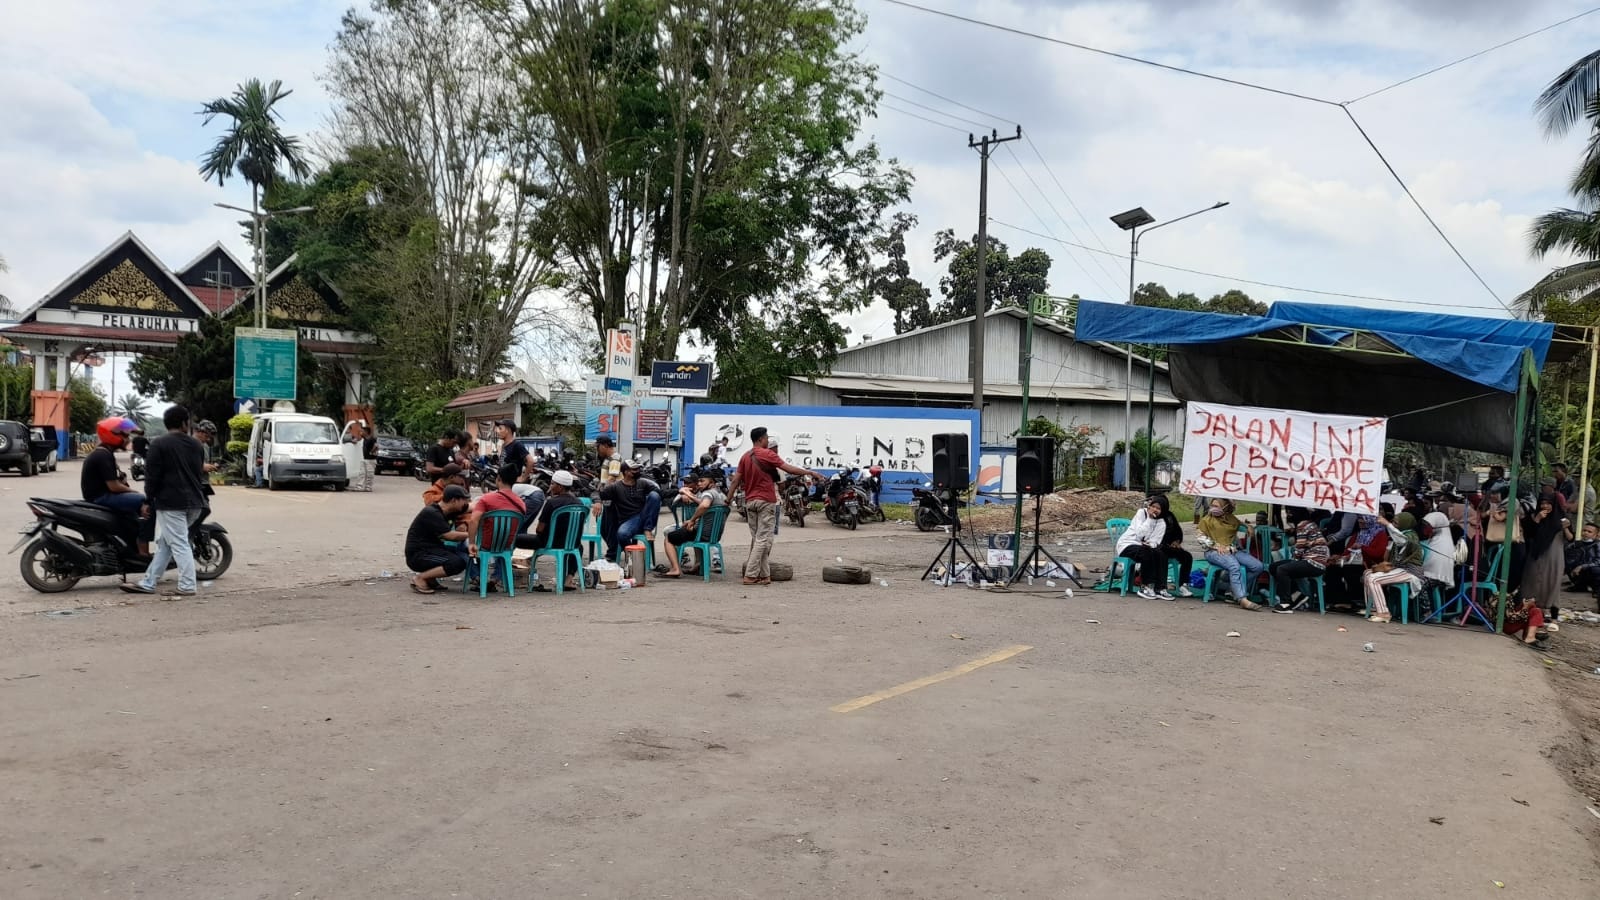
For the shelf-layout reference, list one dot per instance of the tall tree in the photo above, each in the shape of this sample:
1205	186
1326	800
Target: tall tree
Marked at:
253	146
708	151
1008	281
1236	302
1573	97
425	81
892	282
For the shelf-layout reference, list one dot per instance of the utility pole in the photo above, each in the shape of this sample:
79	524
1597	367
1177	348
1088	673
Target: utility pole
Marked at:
984	146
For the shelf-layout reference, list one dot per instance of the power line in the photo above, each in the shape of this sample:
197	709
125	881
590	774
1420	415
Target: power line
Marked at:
1087	226
906	112
982	126
1006	119
1472	56
1046	198
1111	53
1241	280
1237	83
1418	204
1075	261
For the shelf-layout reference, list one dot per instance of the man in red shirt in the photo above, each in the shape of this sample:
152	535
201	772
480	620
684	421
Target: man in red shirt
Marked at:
757	469
502	497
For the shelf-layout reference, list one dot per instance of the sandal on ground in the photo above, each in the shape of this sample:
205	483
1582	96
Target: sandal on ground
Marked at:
1381	620
417	589
436	585
669	574
661	569
751	581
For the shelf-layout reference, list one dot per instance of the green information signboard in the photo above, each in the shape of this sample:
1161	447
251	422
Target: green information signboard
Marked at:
265	363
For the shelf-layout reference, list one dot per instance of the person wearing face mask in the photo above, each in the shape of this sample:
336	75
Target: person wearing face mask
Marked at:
1142	544
1403	566
1219	528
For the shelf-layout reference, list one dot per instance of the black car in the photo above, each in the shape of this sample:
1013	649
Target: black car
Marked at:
395	454
15	452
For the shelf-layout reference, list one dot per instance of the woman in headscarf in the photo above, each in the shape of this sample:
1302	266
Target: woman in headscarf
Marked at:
1547	546
1363	551
1439	563
1403	566
1172	546
1218	531
1143	543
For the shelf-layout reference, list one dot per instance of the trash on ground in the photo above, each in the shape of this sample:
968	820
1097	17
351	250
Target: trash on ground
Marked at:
463	627
1163	724
1520	802
1342	628
1437	820
959	637
1368	648
1091	621
1233	634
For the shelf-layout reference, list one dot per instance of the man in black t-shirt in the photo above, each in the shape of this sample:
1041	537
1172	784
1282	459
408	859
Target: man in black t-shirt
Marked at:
633	504
441	454
426	553
102	483
512	451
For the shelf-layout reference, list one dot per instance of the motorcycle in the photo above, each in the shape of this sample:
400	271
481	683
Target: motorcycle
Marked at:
842	500
72	540
796	499
930	512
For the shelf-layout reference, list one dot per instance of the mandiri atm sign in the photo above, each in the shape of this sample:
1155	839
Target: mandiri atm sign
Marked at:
680	379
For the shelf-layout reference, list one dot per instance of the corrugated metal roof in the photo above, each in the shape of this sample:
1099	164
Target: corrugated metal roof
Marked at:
573	404
862	383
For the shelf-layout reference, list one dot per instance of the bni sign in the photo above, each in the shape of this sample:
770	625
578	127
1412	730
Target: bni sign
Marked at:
680	379
621	364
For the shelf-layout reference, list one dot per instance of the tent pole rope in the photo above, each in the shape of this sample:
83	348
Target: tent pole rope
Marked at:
1588	421
1413	412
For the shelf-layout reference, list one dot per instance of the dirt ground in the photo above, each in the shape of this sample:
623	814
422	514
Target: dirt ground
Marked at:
1575	674
309	728
1061	512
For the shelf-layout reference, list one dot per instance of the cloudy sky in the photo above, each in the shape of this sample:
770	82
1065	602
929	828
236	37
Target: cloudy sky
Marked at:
98	134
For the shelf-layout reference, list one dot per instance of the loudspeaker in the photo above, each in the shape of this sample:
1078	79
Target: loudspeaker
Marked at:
952	462
1036	456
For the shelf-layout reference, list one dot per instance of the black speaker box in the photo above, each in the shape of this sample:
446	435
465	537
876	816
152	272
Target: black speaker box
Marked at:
952	462
1036	456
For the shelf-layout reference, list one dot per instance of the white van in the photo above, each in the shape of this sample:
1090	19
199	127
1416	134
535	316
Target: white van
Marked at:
287	448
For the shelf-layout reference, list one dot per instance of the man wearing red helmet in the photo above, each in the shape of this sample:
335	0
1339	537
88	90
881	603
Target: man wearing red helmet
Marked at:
103	484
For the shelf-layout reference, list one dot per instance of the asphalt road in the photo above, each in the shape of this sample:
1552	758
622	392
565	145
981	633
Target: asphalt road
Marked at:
308	729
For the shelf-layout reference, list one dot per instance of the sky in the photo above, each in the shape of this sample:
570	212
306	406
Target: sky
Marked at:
98	135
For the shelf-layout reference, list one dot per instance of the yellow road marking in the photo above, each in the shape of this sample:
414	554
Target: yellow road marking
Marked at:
946	675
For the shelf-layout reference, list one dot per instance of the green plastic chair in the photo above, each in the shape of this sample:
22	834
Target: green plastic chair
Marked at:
497	537
1119	572
593	543
708	534
564	542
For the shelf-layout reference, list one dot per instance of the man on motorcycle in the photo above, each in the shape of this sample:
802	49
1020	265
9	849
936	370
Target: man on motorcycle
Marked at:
177	481
103	484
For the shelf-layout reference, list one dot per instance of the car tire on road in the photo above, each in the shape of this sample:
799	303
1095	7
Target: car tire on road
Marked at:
781	571
846	574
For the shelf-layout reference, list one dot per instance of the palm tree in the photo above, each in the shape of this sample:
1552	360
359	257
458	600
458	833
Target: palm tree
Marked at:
254	147
132	406
1573	95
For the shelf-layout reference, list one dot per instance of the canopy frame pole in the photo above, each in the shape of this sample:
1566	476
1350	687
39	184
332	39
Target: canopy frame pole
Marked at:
1588	422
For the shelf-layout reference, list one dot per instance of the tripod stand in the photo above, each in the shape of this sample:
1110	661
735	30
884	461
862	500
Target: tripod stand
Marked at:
1031	558
952	512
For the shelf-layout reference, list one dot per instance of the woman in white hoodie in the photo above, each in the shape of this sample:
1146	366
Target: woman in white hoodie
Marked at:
1142	543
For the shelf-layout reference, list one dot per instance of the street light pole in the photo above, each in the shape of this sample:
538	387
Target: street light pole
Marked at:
259	218
1137	222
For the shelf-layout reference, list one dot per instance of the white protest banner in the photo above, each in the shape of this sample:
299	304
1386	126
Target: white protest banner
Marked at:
1286	457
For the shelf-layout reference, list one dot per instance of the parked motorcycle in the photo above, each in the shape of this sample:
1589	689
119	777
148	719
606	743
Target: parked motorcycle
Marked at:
72	540
796	500
930	512
870	488
841	500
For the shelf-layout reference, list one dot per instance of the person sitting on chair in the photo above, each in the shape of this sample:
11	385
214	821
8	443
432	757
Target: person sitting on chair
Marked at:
1141	543
702	492
1403	566
632	508
1310	560
1218	530
1583	558
1172	547
441	454
448	474
501	498
426	552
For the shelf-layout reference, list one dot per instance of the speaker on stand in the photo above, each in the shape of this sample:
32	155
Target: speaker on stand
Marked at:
952	473
1036	475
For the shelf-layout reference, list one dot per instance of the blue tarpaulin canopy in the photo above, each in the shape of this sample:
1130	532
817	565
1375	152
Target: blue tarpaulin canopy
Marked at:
1441	379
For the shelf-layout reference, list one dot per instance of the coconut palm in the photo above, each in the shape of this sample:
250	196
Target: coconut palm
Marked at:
253	146
132	406
1573	96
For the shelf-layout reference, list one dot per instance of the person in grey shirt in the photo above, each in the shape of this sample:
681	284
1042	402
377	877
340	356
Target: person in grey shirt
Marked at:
700	489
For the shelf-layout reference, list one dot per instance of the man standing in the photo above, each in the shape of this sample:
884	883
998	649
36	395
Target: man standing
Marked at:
426	553
361	438
632	507
513	451
175	474
1565	486
609	466
441	454
757	469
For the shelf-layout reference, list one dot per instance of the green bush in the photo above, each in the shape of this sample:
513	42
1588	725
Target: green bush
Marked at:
237	448
239	429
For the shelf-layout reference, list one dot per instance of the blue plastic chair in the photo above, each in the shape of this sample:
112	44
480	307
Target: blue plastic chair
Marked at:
592	543
564	542
708	534
497	537
1119	571
1463	602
